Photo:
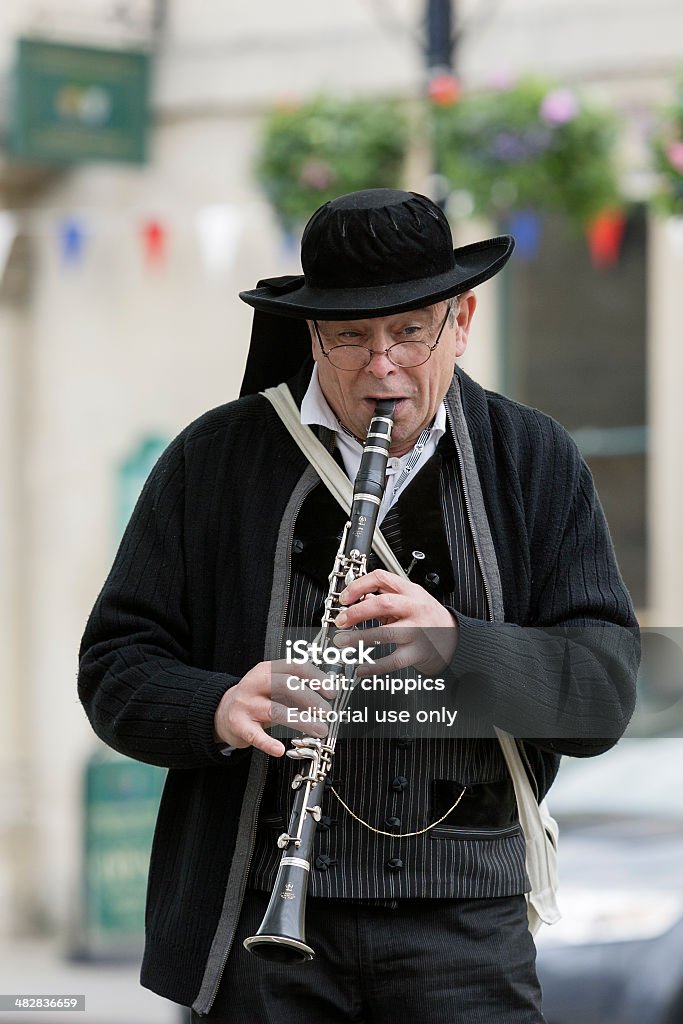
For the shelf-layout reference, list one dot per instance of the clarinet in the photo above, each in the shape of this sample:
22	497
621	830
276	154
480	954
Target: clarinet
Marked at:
281	937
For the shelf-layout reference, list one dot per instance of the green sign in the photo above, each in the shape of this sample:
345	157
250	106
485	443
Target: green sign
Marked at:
121	802
132	473
75	103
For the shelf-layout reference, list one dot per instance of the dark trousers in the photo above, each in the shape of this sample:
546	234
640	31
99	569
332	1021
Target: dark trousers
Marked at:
451	961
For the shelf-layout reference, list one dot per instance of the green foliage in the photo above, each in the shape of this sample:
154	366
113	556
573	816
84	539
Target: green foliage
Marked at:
327	147
667	154
529	146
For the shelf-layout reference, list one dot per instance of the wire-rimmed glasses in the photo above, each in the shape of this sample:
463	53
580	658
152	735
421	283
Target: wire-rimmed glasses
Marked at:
410	353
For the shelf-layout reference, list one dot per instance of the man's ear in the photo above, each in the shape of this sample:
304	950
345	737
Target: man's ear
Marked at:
466	307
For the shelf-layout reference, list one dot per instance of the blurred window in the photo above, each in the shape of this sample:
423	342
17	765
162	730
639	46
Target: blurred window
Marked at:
574	345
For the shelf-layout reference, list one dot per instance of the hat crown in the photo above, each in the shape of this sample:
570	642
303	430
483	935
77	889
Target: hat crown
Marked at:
376	237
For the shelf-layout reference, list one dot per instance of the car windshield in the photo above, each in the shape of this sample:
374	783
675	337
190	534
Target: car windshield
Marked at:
636	778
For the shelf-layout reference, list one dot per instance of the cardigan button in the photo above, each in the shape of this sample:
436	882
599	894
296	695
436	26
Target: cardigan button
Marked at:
395	864
399	783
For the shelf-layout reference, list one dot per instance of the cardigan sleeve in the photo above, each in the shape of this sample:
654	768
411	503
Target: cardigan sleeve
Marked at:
566	680
137	685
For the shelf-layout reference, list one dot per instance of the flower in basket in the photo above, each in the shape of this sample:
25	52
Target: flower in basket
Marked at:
325	147
530	146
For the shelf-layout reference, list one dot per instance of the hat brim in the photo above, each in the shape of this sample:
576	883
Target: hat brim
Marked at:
291	296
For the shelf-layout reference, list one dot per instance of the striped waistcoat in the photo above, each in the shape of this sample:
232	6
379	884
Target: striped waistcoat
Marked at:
405	783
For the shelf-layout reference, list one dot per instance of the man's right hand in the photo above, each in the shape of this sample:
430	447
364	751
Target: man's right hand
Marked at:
261	699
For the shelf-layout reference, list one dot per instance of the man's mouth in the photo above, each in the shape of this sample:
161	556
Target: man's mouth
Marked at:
374	399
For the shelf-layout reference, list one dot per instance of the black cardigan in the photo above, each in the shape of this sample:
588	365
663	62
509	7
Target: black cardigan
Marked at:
182	617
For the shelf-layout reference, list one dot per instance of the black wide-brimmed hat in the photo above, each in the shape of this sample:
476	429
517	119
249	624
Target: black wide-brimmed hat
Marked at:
365	254
375	253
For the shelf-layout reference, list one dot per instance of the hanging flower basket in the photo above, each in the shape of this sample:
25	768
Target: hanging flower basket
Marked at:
326	147
667	153
528	147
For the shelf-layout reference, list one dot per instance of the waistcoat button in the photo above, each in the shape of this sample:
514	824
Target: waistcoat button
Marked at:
432	579
393	822
395	864
326	823
400	783
323	862
297	546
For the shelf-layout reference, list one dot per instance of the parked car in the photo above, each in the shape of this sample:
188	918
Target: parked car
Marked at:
617	955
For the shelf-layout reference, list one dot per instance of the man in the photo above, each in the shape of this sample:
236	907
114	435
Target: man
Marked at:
416	898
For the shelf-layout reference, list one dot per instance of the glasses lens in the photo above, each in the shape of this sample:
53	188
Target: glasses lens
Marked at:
409	353
355	357
349	357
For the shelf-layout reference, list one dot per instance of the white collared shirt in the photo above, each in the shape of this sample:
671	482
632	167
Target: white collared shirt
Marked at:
315	411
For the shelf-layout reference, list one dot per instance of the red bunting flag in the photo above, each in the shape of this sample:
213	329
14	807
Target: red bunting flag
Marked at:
605	234
154	237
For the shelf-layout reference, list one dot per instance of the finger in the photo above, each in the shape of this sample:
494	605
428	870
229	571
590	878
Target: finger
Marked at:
250	733
392	607
378	579
281	715
320	678
389	634
294	691
407	656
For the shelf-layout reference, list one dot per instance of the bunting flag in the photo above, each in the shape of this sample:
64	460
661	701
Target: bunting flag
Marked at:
154	238
525	227
290	243
9	229
219	229
605	234
72	236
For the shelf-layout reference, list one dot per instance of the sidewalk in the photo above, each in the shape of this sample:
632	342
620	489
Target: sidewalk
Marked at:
112	990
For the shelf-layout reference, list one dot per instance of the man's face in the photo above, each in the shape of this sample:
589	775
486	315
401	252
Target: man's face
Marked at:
418	390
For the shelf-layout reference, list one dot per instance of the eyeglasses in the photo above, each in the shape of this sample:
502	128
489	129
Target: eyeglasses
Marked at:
403	353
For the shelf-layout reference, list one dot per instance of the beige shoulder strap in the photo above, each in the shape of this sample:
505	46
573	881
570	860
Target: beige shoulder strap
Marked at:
327	469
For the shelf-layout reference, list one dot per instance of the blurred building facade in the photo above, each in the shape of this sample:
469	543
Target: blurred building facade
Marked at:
116	346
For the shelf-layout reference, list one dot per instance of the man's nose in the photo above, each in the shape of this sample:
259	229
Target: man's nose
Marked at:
380	364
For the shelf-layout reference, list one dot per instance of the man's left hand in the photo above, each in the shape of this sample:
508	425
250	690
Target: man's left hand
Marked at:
425	633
